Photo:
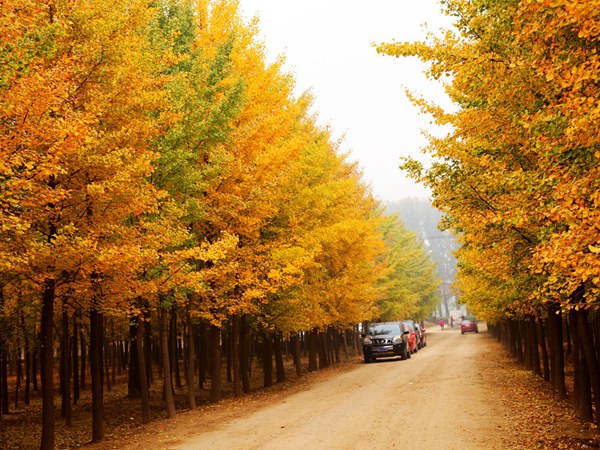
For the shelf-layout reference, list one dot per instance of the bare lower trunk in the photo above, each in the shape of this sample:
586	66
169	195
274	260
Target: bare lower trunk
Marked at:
235	356
163	325
190	361
215	364
47	366
139	339
96	360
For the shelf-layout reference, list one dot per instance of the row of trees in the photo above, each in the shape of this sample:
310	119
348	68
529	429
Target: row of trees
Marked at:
518	175
159	179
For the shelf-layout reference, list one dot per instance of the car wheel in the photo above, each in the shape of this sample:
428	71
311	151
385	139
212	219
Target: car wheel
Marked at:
367	359
462	332
404	354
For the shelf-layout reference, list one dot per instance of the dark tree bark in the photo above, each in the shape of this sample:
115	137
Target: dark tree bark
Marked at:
34	370
4	400
83	359
322	346
279	367
96	360
557	351
267	360
295	342
133	380
535	348
47	366
581	380
542	338
215	364
245	354
591	358
312	350
148	343
145	394
75	349
163	326
65	354
191	356
175	348
236	356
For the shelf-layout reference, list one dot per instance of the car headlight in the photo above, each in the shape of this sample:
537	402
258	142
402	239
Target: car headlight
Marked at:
367	341
397	339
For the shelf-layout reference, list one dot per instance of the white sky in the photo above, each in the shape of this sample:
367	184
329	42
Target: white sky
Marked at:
358	92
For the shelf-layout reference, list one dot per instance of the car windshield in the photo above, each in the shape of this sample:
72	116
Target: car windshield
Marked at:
380	329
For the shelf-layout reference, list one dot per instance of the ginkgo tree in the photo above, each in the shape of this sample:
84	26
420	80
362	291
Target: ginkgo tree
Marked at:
518	172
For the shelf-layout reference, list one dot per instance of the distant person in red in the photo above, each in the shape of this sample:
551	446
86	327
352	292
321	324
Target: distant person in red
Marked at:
442	324
451	321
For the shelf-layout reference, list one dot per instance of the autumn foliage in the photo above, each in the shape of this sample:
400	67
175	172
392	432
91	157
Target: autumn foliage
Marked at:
518	174
159	179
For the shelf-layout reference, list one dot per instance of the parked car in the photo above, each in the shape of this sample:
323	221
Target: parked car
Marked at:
385	340
421	334
413	337
469	326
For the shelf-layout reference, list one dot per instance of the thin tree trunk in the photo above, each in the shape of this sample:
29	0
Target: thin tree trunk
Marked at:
244	354
558	368
296	354
163	325
145	394
591	359
279	367
96	363
542	337
47	366
190	360
312	350
267	361
133	380
75	348
235	356
66	409
535	348
215	364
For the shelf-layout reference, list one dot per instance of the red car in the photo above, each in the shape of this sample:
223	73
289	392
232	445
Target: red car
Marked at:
468	326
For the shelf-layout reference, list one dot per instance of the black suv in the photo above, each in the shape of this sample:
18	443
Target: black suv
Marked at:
384	340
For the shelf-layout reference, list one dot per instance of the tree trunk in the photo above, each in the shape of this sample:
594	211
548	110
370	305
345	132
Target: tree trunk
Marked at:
66	409
190	360
133	379
75	348
83	359
163	325
235	356
4	400
535	348
590	355
312	350
175	348
215	364
96	363
47	366
296	354
145	394
542	337
267	361
279	367
244	354
558	368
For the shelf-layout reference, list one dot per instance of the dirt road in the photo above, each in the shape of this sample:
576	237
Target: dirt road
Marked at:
436	399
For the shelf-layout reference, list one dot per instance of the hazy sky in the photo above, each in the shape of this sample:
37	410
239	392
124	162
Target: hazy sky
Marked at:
358	92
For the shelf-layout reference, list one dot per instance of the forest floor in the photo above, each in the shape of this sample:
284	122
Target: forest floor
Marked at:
460	392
